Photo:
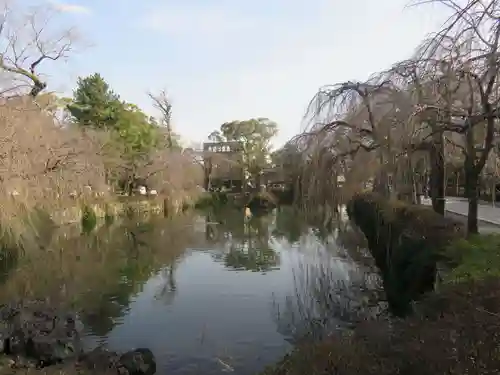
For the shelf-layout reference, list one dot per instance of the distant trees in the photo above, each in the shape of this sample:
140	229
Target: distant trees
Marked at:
255	137
56	151
138	147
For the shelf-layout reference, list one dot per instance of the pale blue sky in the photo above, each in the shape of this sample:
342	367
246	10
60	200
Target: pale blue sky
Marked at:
222	60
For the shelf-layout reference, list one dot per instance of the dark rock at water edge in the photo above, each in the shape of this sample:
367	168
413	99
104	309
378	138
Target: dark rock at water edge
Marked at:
140	361
33	334
38	332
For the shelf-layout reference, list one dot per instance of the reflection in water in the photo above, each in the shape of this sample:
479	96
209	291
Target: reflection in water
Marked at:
331	292
100	272
168	288
245	242
164	284
289	224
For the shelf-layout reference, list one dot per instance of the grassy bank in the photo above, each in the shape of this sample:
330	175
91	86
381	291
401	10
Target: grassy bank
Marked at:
220	200
119	206
452	330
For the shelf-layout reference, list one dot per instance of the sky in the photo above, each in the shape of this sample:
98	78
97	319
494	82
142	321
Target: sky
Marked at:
224	60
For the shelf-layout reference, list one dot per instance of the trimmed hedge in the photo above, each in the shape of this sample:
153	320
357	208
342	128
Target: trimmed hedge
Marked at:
406	242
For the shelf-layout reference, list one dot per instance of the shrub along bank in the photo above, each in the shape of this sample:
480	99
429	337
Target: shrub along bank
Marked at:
407	242
452	330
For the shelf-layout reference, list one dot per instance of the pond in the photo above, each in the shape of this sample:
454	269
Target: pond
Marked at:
208	294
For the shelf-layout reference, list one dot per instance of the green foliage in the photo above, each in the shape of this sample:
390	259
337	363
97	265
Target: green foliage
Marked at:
474	258
89	219
94	103
256	260
213	200
109	215
254	135
406	242
136	134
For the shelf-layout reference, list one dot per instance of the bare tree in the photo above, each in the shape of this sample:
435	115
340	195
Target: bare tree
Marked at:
171	172
438	110
27	40
164	105
356	131
42	165
465	57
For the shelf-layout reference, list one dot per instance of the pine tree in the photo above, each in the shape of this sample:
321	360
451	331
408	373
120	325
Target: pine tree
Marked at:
95	104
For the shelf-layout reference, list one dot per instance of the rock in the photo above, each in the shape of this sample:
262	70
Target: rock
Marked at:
140	361
100	360
35	335
35	330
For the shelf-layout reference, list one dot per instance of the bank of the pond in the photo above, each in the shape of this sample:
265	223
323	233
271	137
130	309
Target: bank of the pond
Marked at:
451	330
118	207
258	202
34	335
454	331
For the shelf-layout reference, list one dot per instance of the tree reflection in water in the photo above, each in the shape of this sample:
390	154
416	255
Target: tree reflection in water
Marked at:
289	224
99	273
245	242
168	289
333	289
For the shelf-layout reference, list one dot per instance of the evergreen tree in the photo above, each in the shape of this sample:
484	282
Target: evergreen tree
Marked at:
95	104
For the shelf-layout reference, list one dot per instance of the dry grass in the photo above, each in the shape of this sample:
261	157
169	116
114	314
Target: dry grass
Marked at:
41	165
45	164
453	332
332	292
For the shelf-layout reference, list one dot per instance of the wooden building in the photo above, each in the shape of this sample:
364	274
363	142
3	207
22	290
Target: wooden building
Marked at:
223	165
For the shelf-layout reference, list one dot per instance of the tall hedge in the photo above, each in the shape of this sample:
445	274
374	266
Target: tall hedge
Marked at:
406	242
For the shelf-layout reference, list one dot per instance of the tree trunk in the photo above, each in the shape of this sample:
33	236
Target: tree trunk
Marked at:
472	194
381	180
437	177
381	184
493	193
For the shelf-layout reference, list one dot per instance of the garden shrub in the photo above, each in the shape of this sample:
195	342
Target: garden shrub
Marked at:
406	242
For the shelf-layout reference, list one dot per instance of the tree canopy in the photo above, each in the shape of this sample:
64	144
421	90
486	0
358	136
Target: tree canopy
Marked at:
94	103
255	137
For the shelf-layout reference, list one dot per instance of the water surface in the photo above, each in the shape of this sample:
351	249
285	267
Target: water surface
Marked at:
208	294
